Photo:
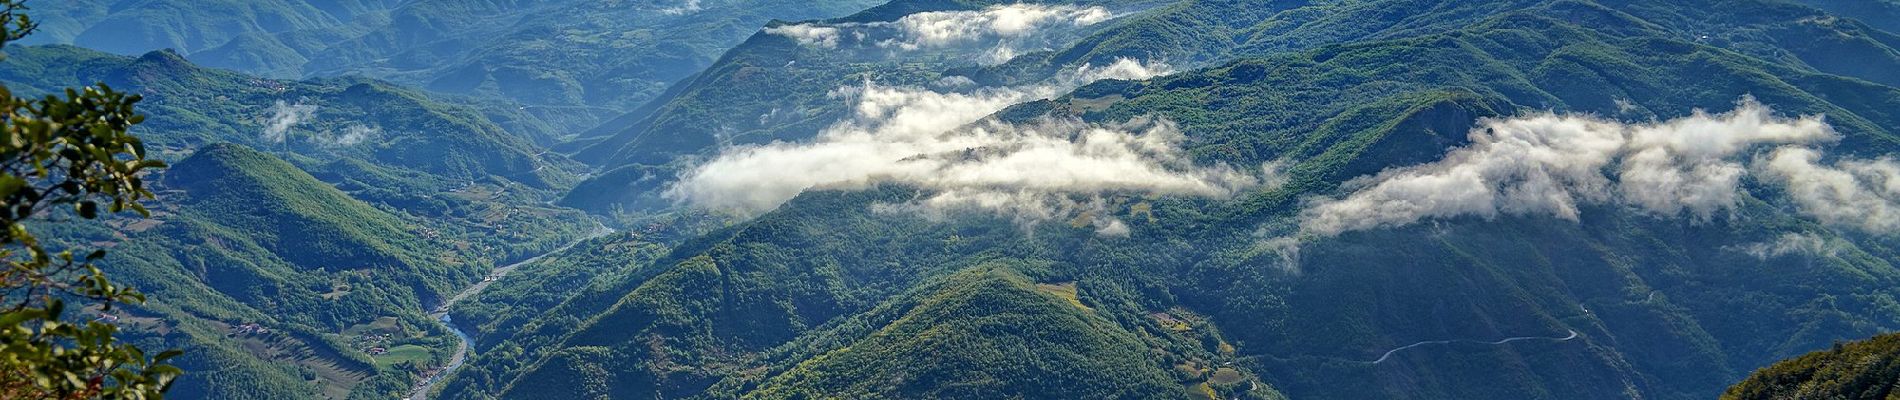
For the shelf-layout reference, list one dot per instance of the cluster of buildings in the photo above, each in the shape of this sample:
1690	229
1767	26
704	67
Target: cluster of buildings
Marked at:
374	343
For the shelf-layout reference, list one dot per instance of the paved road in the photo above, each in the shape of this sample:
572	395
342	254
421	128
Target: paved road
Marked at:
441	313
1388	354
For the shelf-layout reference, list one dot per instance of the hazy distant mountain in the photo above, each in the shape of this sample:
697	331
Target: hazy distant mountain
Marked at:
571	60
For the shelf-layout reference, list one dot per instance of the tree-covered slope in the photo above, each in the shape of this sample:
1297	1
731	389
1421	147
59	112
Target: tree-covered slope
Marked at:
565	280
287	211
757	287
240	238
985	332
1619	302
377	141
406	199
1865	369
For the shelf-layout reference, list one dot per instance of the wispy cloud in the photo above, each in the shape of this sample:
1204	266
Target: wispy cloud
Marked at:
1804	243
1862	194
690	6
955	28
1002	29
934	140
809	34
1549	164
282	117
350	136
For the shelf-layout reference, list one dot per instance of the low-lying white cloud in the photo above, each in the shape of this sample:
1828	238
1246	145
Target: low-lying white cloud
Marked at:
809	34
1804	243
954	82
1693	167
1026	207
1549	164
351	135
934	140
1863	194
954	28
690	6
282	117
1004	28
992	158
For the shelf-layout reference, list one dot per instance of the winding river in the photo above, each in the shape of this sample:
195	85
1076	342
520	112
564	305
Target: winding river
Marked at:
441	313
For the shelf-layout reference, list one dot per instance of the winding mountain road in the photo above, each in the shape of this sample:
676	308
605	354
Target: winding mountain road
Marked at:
441	313
1388	354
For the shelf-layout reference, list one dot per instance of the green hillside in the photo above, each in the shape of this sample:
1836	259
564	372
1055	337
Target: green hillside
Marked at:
983	333
241	237
567	279
288	212
695	307
1866	369
381	143
427	195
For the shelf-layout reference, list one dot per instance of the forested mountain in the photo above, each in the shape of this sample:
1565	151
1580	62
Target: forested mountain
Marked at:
1333	199
277	269
321	119
566	61
255	242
